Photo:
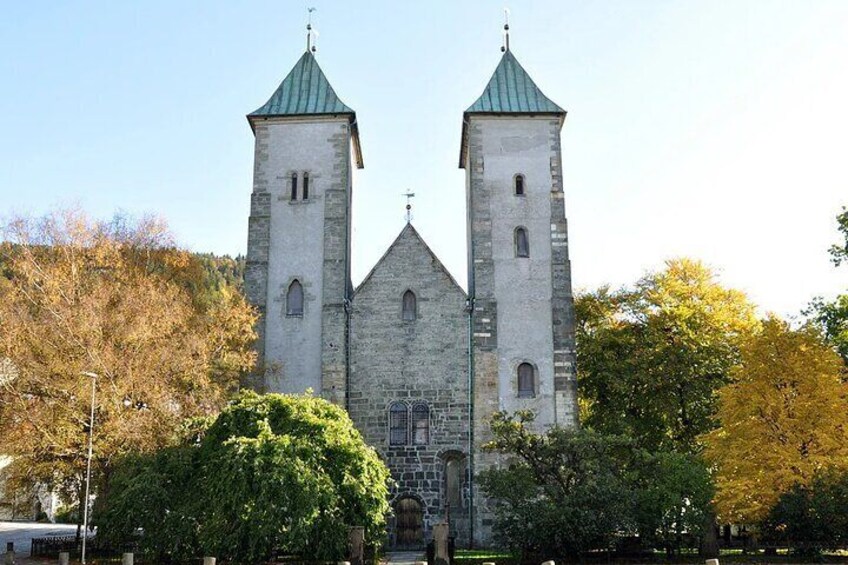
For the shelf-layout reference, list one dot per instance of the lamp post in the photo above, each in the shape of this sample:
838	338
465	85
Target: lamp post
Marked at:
93	378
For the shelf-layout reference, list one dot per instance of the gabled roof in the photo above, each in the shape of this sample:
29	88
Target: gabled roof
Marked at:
409	232
306	92
510	91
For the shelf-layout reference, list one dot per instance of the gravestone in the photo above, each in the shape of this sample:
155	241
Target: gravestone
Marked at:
127	559
440	537
64	558
356	545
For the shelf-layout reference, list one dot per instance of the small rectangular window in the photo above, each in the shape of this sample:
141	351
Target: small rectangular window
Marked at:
305	186
294	186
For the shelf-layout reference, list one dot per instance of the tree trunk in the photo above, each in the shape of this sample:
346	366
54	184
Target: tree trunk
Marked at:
709	548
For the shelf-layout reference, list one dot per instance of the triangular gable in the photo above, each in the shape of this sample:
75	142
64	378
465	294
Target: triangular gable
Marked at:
409	231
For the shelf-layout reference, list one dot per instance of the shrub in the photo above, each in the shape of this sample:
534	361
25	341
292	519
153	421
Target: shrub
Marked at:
569	491
811	518
273	472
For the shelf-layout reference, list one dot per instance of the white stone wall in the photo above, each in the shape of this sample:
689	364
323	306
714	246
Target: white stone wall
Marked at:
522	286
296	247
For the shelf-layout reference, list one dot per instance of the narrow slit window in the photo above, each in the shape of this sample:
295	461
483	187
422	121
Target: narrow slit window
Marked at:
410	306
519	185
294	186
420	424
294	299
454	476
305	186
398	424
522	243
526	381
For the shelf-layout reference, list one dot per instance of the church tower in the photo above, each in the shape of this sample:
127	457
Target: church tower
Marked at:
519	275
298	251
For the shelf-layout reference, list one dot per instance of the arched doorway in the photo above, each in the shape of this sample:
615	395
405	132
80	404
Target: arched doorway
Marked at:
409	524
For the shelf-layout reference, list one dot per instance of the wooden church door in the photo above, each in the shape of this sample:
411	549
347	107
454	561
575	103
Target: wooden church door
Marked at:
409	531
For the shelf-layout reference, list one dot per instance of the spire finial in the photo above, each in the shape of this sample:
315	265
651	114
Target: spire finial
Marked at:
310	35
505	46
409	196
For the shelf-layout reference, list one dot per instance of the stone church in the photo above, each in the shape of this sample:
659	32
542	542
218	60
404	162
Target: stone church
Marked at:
419	363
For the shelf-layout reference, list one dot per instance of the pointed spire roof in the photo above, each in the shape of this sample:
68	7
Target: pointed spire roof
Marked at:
306	92
512	91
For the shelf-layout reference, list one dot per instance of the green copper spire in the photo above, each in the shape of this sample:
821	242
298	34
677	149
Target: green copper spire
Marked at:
512	91
304	91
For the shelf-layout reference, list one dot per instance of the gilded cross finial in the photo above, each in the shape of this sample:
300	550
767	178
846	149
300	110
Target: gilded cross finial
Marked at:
310	34
505	46
409	196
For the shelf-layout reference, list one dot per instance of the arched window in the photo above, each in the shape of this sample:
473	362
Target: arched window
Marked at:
454	478
420	424
398	424
305	186
410	306
522	243
294	186
526	381
519	185
294	299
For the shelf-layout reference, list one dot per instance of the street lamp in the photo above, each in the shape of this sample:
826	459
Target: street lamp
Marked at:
93	377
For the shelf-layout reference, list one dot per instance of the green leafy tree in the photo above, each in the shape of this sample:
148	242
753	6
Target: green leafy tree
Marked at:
839	251
273	472
672	499
811	518
832	316
651	358
569	491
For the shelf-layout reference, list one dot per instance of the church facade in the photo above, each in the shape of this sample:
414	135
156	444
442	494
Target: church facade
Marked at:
420	364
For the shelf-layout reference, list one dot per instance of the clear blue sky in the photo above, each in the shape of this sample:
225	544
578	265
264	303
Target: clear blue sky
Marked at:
714	129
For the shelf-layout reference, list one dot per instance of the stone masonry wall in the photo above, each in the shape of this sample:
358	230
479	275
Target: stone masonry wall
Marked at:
304	240
523	309
413	361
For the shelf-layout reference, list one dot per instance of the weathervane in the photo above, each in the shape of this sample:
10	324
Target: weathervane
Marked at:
409	196
310	35
505	46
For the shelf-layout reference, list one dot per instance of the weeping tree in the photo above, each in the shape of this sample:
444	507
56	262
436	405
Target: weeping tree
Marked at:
272	473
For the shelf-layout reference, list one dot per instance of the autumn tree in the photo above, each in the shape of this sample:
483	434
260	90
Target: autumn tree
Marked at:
652	357
784	418
117	299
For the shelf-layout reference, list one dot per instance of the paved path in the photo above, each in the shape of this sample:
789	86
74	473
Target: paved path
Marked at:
21	533
404	557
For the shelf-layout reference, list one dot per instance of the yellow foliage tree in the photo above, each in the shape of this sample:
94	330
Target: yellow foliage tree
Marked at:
120	300
783	419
